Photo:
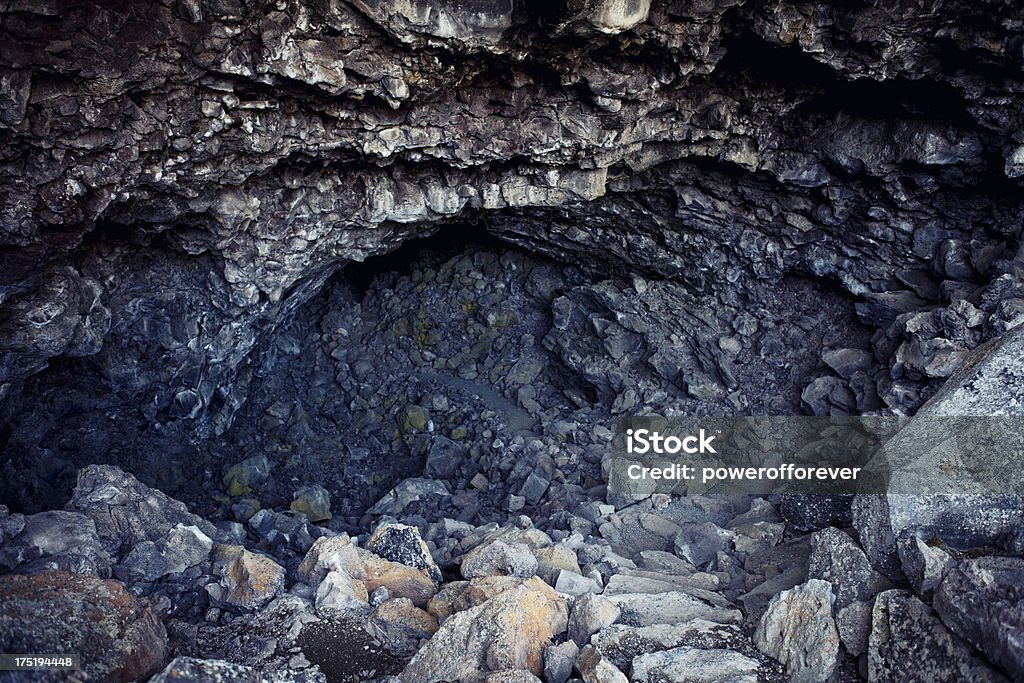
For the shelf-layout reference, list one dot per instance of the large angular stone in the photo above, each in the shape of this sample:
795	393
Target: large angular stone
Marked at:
694	665
59	534
836	558
400	625
402	543
508	632
961	507
339	595
247	580
499	558
909	643
981	600
590	613
116	635
798	630
127	512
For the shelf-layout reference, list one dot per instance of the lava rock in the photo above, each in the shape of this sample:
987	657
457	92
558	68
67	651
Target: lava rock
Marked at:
183	547
405	493
962	505
401	626
340	595
700	543
246	580
923	564
559	661
314	502
242	477
117	636
402	543
127	513
444	458
499	558
327	554
508	632
798	630
980	600
810	512
693	665
594	668
58	534
910	643
571	583
589	615
837	559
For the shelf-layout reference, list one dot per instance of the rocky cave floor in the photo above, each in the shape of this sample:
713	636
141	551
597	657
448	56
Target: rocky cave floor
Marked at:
414	489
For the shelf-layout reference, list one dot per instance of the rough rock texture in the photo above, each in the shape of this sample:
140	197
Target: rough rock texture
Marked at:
980	600
728	207
837	559
909	643
798	630
972	504
510	631
179	178
118	637
247	580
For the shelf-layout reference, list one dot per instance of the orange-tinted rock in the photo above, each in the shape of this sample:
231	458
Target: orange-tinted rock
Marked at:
401	581
246	580
462	595
506	633
339	554
400	625
117	635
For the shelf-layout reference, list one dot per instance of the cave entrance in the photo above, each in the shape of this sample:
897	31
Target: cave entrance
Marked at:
459	377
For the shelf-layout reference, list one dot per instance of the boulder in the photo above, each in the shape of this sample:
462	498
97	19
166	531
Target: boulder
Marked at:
402	543
499	558
673	607
594	668
621	643
401	626
972	498
506	633
337	553
980	600
694	665
559	661
127	512
60	534
339	594
117	636
909	643
314	502
590	613
246	580
327	554
183	547
700	543
836	558
798	630
458	596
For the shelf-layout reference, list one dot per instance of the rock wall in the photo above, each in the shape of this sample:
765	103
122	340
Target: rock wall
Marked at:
179	176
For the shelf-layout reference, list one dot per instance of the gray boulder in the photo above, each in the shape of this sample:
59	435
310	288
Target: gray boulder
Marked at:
836	558
972	499
694	665
127	512
798	630
499	558
980	600
909	643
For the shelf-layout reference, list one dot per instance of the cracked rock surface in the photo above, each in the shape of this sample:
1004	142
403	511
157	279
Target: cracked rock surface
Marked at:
315	319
